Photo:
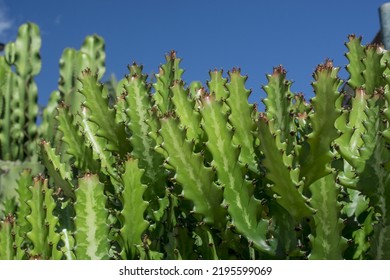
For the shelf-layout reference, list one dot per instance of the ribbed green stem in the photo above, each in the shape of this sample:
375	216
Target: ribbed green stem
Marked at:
327	240
196	180
91	220
317	155
239	198
43	235
132	219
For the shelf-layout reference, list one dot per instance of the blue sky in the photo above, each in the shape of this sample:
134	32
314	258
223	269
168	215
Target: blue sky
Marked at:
252	35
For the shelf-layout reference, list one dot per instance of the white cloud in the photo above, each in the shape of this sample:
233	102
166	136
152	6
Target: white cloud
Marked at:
5	21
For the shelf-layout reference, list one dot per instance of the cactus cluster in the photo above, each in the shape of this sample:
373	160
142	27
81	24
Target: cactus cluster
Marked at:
170	170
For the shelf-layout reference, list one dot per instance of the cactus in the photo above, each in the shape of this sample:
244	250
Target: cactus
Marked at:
19	109
142	169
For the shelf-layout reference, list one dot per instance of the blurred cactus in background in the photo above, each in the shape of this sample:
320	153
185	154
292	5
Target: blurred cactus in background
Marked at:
162	169
18	110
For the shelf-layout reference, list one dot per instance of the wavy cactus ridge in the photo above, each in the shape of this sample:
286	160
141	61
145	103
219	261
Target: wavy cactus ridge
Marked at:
91	55
20	93
57	170
7	88
327	240
103	116
91	219
27	58
285	184
168	73
196	179
240	118
349	144
6	242
186	111
43	233
138	108
27	63
243	207
376	174
374	69
217	84
137	105
315	161
98	144
132	214
280	108
94	47
81	153
355	57
72	62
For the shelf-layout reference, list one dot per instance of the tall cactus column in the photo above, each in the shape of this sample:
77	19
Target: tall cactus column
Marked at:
19	108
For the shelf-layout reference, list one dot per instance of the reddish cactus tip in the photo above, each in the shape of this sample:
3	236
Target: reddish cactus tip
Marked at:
206	97
10	218
326	66
263	117
378	47
351	37
235	70
279	70
172	54
39	178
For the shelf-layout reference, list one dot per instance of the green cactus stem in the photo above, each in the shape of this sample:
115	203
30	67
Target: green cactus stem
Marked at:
81	153
186	111
100	114
317	155
239	197
91	219
42	235
24	55
240	118
138	104
196	179
133	224
285	178
327	240
168	73
7	238
355	57
279	107
59	172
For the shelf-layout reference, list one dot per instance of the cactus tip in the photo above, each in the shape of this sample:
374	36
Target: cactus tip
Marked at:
279	70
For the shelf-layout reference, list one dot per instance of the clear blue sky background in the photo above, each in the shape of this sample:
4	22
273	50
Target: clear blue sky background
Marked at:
252	35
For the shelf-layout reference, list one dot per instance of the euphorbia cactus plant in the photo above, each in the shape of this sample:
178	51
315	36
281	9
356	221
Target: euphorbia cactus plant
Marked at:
169	170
